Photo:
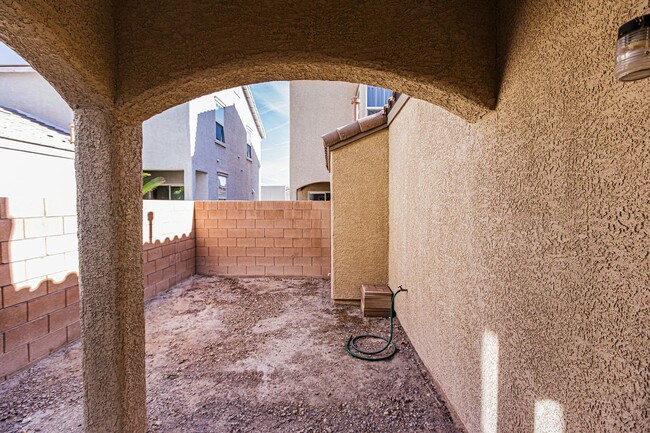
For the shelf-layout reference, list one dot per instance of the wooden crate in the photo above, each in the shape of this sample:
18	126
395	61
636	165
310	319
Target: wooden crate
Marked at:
375	300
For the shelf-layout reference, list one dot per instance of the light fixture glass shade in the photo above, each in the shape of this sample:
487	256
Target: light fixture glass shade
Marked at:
633	50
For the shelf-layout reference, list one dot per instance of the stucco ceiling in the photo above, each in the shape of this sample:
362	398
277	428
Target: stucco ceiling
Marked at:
145	56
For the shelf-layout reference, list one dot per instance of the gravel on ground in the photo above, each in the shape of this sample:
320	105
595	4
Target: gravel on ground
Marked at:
246	355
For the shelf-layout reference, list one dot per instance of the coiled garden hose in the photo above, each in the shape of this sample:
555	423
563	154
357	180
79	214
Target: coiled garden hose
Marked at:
376	355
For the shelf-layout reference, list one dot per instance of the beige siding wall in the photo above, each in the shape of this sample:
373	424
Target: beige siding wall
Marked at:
25	90
359	215
523	239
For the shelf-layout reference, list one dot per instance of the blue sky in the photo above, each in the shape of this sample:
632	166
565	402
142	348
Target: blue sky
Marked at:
8	57
272	101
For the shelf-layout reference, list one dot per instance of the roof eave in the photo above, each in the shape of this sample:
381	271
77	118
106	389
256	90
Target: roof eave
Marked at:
253	107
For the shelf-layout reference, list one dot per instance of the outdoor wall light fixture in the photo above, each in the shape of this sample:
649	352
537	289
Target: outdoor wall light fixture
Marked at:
633	50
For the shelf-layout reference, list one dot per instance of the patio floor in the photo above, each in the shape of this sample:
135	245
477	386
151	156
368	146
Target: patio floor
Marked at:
246	355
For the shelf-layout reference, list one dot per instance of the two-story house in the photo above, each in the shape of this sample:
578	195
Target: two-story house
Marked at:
316	108
208	148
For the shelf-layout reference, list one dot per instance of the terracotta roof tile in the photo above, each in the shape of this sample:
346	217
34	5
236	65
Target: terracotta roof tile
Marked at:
351	130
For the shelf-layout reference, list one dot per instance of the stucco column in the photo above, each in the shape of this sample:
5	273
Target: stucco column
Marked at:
109	207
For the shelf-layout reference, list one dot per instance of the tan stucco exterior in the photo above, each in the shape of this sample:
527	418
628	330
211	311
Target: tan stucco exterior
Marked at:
149	56
109	213
316	107
522	239
359	215
71	43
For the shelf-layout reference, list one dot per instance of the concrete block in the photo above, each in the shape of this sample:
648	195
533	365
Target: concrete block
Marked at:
13	316
47	344
25	333
14	360
45	305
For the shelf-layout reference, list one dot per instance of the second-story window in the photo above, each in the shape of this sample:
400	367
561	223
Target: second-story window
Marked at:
249	144
219	115
376	98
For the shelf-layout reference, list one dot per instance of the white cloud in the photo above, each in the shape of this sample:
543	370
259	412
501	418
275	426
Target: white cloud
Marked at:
272	97
283	125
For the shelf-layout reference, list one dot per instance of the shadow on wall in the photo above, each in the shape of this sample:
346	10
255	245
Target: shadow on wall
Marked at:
39	284
166	262
169	244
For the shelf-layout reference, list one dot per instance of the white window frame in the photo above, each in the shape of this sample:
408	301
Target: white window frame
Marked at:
219	175
326	193
249	143
219	104
370	110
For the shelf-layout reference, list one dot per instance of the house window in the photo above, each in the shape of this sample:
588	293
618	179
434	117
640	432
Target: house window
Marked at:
223	186
167	192
249	144
319	196
376	98
219	115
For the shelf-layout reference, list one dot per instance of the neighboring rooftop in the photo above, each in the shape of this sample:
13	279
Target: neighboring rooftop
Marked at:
27	131
357	129
253	107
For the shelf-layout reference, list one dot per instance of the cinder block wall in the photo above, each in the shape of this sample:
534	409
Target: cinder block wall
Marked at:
250	238
169	244
39	303
39	296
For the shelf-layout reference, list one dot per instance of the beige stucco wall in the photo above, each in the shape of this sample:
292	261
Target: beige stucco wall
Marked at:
316	108
440	51
523	239
70	42
161	64
359	215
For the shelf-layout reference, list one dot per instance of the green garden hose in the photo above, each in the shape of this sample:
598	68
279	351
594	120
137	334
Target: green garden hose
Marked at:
377	355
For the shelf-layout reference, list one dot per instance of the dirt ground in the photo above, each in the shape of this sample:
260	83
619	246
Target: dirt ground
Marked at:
246	355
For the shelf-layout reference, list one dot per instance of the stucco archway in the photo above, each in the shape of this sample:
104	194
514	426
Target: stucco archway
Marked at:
147	56
442	52
119	63
68	43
